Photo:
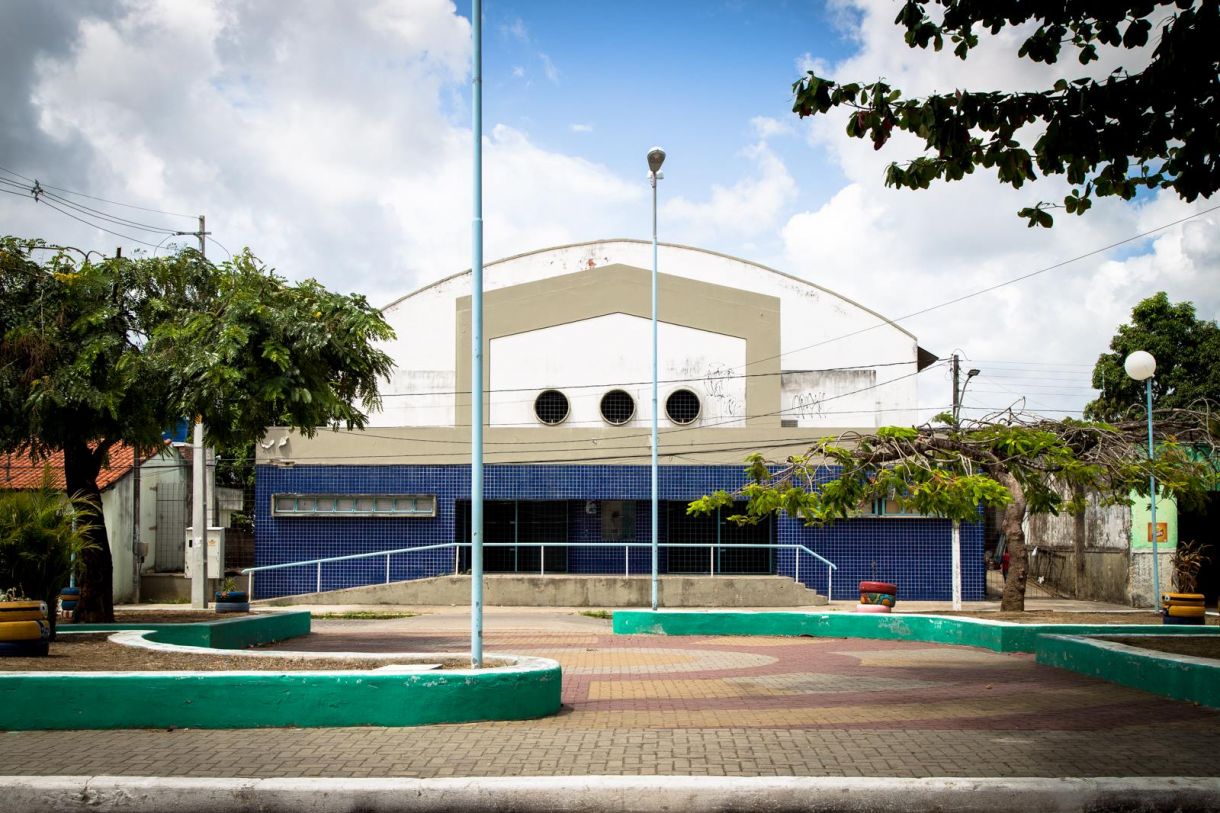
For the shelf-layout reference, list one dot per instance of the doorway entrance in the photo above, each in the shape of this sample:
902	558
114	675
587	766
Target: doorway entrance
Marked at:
711	533
516	522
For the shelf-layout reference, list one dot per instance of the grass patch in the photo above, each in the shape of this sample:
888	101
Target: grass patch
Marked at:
604	615
368	615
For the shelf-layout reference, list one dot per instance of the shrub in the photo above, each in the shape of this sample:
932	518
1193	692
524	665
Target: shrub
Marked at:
42	537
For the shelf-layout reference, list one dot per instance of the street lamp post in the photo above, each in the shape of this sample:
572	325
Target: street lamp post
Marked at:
1141	366
656	157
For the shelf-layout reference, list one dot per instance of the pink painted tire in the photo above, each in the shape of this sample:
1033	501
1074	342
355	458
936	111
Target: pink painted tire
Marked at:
872	608
878	598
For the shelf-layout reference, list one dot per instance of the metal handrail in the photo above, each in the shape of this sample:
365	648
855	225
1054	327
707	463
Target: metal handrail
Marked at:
317	563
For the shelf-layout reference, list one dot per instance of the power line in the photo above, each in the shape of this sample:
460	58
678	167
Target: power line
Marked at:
991	288
712	377
94	197
100	228
118	221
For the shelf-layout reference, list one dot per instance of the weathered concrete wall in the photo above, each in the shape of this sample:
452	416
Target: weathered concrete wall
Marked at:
1086	556
578	591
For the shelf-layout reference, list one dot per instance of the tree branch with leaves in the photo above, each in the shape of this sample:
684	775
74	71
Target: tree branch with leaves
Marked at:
98	352
1151	128
1015	464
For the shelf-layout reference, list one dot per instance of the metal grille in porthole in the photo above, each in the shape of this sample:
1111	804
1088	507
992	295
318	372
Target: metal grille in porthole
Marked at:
682	406
551	407
617	407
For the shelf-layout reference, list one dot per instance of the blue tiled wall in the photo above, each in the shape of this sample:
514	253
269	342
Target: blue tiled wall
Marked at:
914	553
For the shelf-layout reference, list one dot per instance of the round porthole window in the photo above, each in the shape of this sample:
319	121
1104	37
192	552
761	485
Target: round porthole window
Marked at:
551	407
682	406
617	407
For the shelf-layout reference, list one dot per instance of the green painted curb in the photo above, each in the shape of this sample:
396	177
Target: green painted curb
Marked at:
31	701
1067	646
82	700
1176	676
228	633
999	636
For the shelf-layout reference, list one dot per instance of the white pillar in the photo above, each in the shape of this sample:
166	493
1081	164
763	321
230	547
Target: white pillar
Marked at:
957	565
199	576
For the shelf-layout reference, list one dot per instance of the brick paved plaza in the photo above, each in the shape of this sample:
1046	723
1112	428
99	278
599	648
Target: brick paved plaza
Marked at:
733	706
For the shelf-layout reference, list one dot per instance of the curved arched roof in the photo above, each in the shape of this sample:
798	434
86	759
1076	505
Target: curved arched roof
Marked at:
679	246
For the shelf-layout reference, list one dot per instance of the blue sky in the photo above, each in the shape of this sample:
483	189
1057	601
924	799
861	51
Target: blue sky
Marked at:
687	76
335	141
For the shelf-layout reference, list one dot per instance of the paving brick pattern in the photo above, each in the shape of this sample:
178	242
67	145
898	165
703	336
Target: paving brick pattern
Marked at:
705	706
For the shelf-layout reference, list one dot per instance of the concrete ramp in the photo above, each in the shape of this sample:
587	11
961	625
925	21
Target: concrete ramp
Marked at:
561	590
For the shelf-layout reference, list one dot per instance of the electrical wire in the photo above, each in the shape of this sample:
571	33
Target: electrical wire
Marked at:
94	197
713	377
100	228
990	288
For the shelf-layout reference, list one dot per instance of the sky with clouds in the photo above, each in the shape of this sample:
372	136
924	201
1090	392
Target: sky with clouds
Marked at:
334	139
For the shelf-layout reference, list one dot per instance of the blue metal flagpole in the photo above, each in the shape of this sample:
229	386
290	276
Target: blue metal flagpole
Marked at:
476	349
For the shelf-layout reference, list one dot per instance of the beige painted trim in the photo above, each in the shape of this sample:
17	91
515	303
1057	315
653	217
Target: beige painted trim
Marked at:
709	252
450	445
625	289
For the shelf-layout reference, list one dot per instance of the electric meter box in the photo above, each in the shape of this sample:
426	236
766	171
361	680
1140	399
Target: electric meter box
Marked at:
215	552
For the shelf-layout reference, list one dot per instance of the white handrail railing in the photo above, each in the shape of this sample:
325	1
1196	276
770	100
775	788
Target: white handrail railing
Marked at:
317	563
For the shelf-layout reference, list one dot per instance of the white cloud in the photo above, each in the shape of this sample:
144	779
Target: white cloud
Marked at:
900	250
548	68
329	160
766	127
517	30
750	208
581	128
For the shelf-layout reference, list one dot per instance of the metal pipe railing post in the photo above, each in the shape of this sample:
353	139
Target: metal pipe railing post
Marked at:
387	568
319	586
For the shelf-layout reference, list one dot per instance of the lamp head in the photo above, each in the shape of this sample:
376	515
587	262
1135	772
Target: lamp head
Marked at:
972	373
1140	365
656	157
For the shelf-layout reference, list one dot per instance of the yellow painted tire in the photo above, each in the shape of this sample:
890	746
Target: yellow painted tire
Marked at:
24	631
22	611
1183	599
1184	612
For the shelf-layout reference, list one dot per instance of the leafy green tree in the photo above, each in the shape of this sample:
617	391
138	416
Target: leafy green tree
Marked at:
97	352
1151	128
1017	468
1187	352
44	536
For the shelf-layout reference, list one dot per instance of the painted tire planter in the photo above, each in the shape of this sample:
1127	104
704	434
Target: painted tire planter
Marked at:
22	611
68	599
11	631
1183	608
234	601
20	635
24	649
872	608
885	599
879	587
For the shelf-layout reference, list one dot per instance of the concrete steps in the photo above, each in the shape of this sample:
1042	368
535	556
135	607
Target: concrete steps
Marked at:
563	590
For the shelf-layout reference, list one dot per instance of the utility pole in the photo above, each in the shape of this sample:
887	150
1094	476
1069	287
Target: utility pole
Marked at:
955	365
199	512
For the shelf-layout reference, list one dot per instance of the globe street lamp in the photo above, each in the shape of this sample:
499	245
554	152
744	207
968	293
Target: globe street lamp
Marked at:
656	157
1141	366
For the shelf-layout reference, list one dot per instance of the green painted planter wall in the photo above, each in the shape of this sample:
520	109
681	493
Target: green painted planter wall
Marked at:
1062	645
1161	673
101	700
999	637
33	701
229	633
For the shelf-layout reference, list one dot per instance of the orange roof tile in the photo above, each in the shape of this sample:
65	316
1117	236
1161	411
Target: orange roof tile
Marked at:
23	471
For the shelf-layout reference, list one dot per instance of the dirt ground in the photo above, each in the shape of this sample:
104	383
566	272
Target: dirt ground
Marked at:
1050	617
92	652
1201	647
